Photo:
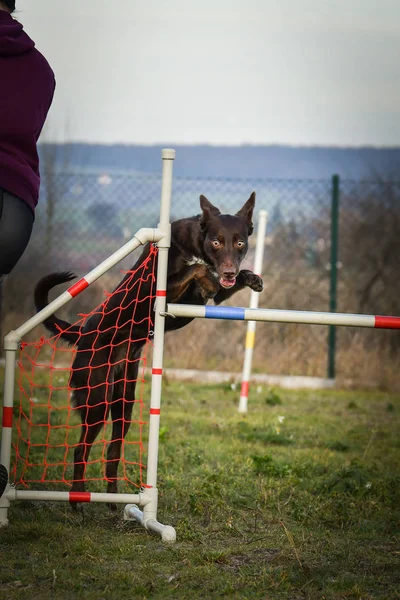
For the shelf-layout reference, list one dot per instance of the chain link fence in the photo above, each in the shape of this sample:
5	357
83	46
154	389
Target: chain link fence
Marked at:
83	216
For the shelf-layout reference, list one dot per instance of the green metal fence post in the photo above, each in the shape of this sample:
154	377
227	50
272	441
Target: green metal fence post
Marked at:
333	274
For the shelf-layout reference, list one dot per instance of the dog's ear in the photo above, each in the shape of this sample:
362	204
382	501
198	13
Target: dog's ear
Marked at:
246	212
209	210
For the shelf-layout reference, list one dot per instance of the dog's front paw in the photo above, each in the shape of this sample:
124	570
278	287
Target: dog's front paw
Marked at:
257	285
253	281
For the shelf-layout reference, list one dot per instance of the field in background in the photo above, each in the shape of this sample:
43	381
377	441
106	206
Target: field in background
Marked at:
299	500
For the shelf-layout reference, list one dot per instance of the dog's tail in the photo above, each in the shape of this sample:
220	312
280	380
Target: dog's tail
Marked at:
69	333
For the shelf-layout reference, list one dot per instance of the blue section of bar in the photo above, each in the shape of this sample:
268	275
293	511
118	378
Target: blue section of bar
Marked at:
225	312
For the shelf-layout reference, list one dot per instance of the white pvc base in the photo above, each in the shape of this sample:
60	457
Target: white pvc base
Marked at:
133	513
12	494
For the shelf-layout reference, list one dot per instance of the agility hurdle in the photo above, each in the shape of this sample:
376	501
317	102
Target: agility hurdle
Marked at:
143	506
251	325
236	313
147	498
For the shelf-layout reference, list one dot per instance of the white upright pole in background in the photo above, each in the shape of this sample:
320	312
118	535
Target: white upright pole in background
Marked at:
251	326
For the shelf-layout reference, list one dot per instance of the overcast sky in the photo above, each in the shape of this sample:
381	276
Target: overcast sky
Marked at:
221	71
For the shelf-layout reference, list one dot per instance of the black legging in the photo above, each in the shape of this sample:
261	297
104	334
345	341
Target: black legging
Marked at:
16	222
3	479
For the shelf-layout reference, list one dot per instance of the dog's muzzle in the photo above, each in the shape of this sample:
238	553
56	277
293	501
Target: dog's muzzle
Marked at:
227	283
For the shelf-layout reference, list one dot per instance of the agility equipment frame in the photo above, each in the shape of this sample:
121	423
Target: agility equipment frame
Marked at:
142	507
147	499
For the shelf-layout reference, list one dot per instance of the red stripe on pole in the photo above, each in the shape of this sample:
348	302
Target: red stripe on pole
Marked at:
245	389
387	322
156	371
161	292
155	411
7	416
79	496
78	287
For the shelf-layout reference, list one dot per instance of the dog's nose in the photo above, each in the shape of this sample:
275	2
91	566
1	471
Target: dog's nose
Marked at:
229	272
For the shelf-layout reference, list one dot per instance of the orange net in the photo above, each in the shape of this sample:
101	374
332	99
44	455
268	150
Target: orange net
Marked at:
74	401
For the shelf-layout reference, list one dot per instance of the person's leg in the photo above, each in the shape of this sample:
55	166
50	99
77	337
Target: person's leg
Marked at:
3	479
16	222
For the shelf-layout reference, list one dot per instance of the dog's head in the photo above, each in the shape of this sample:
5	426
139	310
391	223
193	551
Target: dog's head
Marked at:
226	238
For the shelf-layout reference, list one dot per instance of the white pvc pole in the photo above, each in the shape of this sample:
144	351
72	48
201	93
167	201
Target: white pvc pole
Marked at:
168	157
251	326
10	347
15	494
148	518
235	313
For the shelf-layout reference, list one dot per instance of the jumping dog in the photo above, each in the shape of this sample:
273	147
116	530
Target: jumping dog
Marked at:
204	263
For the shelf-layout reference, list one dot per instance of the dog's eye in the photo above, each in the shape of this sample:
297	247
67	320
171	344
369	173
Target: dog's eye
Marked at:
216	243
240	244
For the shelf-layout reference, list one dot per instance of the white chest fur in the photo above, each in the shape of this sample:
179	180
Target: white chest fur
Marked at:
195	260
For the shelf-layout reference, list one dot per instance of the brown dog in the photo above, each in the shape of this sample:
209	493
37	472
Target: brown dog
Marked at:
204	263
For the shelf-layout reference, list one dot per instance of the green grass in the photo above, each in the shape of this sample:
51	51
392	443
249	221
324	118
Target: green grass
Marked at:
305	507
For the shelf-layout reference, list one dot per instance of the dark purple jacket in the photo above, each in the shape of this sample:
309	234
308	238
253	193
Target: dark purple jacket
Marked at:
27	86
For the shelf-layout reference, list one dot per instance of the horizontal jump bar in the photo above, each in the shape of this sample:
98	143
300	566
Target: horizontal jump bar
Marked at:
15	494
236	313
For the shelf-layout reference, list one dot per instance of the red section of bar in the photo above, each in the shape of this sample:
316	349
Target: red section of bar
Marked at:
78	287
79	496
156	371
245	389
387	322
155	411
161	292
7	416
